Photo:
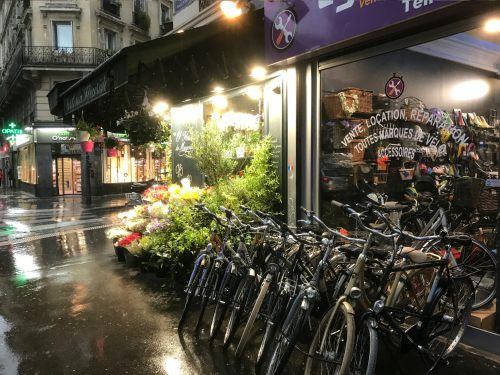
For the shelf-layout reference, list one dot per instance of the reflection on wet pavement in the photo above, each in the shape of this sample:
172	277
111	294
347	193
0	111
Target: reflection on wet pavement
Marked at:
68	307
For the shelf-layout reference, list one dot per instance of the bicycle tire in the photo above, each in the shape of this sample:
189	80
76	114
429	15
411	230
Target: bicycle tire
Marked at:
287	337
224	299
237	307
210	285
273	323
343	311
484	288
190	294
463	287
245	336
362	364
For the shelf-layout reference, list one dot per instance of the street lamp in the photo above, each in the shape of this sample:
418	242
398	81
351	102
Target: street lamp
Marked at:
233	8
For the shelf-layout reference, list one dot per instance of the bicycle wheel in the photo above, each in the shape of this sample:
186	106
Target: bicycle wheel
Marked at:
478	262
226	290
190	293
450	313
332	346
253	316
208	289
286	338
240	299
276	307
364	356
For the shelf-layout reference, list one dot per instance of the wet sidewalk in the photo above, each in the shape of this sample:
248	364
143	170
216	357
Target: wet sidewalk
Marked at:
67	306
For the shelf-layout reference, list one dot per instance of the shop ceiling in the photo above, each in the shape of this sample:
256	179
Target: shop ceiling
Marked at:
174	68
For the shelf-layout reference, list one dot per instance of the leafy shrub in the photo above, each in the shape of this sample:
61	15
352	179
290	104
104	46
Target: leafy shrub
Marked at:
143	127
212	154
257	186
183	235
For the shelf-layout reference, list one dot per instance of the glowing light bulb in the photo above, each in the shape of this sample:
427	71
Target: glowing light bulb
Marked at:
231	9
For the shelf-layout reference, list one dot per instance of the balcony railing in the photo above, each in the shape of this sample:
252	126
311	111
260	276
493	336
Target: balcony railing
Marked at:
75	56
206	3
111	7
49	56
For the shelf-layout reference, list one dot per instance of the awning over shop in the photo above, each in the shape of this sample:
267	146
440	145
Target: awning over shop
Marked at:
177	67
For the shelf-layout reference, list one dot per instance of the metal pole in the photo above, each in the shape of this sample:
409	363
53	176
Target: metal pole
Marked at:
88	197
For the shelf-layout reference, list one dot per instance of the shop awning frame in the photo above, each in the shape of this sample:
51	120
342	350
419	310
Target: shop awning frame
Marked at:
118	70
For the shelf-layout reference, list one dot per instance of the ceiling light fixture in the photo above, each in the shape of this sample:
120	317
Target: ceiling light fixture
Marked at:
470	90
258	72
218	89
160	108
492	26
233	9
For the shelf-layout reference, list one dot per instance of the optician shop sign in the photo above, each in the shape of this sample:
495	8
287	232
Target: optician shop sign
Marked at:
294	27
55	135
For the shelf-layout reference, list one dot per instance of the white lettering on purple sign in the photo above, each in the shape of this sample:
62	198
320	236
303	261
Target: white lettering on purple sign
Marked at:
415	4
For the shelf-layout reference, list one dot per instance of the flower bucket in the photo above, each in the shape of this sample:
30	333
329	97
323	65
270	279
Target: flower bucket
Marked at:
120	253
130	259
87	146
112	152
82	136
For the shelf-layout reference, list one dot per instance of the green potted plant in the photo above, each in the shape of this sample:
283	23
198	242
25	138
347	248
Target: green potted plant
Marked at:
143	127
86	134
112	144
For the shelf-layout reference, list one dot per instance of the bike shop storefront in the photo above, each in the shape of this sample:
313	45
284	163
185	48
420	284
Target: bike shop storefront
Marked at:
390	96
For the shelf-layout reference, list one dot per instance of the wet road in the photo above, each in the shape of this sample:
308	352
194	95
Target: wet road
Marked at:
68	307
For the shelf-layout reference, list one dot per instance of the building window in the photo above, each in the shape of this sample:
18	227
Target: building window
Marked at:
27	164
63	35
110	38
139	5
166	23
165	14
111	6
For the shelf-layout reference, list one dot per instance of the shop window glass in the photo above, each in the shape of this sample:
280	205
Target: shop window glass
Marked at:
444	119
393	125
27	164
133	164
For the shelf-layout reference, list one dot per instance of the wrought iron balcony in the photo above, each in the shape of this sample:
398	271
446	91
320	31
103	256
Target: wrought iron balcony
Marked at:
206	3
74	56
45	56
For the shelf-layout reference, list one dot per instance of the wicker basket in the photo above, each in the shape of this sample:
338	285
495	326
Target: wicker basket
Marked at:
467	192
356	156
363	124
489	200
410	104
365	98
359	100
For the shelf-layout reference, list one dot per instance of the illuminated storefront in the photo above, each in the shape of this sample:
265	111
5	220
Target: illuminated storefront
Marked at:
386	96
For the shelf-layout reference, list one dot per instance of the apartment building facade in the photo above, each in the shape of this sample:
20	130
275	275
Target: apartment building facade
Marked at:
44	42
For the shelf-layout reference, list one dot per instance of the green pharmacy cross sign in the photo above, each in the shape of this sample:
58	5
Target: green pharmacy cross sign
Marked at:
11	132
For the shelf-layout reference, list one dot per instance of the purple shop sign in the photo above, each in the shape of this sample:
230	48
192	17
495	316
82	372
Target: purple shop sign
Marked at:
318	23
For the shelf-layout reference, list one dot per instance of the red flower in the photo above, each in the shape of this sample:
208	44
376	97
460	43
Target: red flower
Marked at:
126	241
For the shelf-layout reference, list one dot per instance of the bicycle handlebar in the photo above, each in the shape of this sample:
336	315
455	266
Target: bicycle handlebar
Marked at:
312	216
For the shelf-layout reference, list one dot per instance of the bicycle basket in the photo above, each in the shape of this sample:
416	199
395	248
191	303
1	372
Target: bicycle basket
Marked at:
467	192
489	200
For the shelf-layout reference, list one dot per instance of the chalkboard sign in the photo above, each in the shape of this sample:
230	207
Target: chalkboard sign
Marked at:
184	119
